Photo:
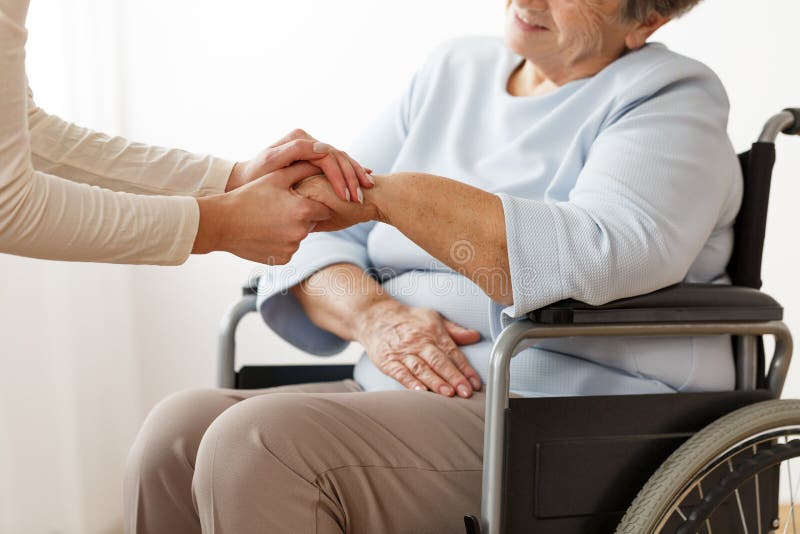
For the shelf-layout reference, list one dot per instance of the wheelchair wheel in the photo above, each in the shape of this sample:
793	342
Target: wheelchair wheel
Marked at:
729	477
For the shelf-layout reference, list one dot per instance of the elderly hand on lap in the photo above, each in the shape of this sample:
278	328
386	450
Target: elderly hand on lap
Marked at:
418	347
415	346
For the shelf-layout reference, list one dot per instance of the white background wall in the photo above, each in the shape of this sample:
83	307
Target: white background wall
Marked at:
88	349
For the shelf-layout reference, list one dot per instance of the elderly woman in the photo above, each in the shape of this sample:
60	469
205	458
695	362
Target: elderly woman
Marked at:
582	163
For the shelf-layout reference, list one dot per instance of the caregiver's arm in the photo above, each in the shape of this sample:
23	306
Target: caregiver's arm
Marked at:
79	154
415	346
45	216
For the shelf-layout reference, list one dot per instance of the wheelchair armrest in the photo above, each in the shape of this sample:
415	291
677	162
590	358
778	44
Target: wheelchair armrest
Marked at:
681	303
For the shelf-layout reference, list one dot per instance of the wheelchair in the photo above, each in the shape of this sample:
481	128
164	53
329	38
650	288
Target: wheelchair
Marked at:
670	463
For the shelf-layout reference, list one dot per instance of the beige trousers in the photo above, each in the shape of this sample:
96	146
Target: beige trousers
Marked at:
311	459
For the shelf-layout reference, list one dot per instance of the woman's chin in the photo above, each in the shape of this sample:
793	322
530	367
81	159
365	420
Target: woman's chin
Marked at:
524	43
521	45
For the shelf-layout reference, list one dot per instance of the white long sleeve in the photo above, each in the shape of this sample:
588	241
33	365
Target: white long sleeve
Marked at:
56	217
82	155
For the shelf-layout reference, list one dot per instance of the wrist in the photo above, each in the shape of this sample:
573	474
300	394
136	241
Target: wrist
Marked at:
383	196
236	178
372	316
209	228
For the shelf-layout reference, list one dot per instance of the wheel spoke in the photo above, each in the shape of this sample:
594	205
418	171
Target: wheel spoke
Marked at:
791	495
700	490
758	496
741	511
759	440
680	513
738	501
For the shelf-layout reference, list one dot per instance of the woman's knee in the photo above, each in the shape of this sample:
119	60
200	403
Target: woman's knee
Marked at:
262	433
171	433
252	466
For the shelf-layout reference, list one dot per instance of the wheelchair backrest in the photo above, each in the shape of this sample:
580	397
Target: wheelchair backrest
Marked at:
744	267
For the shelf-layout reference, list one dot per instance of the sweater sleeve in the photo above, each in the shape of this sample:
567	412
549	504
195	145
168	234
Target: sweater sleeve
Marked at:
377	148
82	155
48	217
657	181
282	311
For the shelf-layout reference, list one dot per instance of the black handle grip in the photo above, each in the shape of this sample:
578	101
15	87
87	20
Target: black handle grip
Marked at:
794	129
251	286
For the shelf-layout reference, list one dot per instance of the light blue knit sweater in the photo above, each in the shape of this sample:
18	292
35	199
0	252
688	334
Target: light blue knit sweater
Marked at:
612	186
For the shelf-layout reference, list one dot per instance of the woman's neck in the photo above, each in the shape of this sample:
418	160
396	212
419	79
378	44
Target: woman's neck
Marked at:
531	79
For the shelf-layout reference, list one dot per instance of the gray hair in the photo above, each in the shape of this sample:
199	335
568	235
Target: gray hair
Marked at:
639	9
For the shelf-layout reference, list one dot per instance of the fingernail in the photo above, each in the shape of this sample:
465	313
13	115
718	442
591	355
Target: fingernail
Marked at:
463	391
321	148
446	390
476	383
419	388
371	179
360	195
347	194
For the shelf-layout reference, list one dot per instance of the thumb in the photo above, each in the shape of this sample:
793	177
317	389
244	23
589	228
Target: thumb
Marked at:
316	212
461	335
286	178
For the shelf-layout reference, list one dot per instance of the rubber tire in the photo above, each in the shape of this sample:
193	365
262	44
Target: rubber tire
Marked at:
670	479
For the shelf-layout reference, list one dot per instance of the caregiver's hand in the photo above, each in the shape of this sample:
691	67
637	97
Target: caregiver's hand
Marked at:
264	221
343	214
418	347
346	174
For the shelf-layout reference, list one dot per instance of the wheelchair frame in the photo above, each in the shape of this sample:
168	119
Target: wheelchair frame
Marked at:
684	309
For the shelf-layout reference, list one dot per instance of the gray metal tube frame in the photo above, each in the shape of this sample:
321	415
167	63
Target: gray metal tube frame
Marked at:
510	342
775	125
746	362
226	354
523	334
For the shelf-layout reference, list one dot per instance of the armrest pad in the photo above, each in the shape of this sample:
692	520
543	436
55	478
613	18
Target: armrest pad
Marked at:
681	303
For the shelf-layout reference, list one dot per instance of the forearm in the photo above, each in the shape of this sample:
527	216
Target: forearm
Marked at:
340	298
460	225
46	217
82	155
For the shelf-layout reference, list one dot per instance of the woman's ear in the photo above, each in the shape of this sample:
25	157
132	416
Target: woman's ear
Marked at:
638	36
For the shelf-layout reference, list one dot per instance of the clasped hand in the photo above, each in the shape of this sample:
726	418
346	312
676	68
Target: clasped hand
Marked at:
260	216
343	214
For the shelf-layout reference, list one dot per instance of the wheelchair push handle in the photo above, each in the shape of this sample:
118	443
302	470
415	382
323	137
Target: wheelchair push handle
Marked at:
787	121
794	129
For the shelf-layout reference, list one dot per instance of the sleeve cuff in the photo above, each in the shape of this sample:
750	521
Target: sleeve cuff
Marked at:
533	255
217	177
281	310
187	230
